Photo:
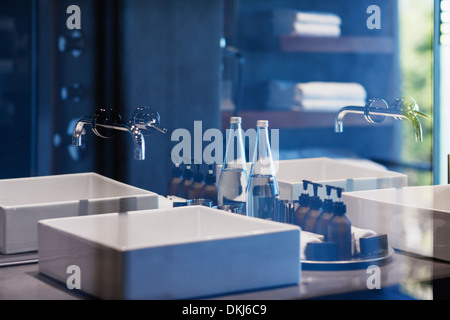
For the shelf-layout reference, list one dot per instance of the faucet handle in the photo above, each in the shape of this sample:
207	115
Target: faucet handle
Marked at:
147	119
105	118
408	105
378	105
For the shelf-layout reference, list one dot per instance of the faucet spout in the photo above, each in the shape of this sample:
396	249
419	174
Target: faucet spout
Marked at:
79	130
139	143
339	120
417	126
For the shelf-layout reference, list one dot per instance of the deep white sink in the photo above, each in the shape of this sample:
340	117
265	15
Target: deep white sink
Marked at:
177	253
416	219
339	173
350	175
23	202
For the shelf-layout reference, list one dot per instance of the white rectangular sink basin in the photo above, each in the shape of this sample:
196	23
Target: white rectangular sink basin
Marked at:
347	174
25	201
416	219
178	253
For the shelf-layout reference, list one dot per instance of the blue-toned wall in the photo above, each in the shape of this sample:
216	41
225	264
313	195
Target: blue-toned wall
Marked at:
171	61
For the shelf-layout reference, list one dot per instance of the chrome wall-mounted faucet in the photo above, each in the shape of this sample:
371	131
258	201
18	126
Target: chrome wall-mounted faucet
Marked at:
377	110
144	121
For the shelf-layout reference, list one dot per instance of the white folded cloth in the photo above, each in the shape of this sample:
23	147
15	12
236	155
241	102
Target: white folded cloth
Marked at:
314	96
308	30
316	30
306	23
358	233
332	90
331	105
291	15
317	90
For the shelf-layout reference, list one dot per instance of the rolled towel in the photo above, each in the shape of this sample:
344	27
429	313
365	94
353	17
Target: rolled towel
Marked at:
316	30
331	90
291	16
288	90
329	105
358	233
308	237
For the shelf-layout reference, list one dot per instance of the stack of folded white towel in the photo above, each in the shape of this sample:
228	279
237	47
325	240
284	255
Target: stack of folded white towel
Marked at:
305	23
314	96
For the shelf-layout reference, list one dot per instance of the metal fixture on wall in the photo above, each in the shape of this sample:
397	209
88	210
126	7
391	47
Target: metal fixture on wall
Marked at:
73	43
143	122
72	93
377	110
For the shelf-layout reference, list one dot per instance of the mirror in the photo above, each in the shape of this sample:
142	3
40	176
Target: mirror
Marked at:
206	61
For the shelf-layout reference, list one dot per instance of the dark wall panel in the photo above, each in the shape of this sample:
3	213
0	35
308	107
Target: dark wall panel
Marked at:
171	62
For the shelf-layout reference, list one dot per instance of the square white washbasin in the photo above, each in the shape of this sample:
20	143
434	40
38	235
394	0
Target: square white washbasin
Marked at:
351	175
416	219
25	201
178	253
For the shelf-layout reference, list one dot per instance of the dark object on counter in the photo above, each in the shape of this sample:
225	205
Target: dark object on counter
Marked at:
315	209
200	202
326	215
209	190
340	229
374	245
322	251
175	180
303	206
179	204
195	190
183	189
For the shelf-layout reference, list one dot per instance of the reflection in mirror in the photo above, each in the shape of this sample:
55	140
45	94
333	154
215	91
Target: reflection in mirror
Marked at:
304	61
294	63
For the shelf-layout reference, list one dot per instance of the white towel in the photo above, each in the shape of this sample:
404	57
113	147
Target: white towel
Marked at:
317	90
304	23
328	105
314	96
358	233
332	90
290	15
308	30
316	30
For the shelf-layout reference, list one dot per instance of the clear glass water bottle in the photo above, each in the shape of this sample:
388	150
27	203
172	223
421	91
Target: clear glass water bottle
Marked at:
263	193
232	186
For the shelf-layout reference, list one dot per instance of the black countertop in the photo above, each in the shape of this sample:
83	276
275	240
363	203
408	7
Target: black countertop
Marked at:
403	277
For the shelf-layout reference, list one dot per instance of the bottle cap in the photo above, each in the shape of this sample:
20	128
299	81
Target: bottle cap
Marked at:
235	120
327	205
210	177
198	176
304	198
187	172
262	123
316	202
339	207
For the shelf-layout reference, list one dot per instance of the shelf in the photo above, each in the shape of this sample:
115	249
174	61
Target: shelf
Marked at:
296	119
347	44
